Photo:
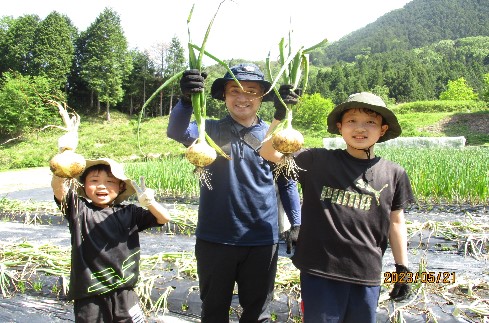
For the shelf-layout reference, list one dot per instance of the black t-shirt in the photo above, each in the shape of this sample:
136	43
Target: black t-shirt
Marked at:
105	245
346	214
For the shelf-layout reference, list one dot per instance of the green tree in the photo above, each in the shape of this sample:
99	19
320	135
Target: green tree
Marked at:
175	62
17	42
312	111
53	48
142	74
485	89
458	90
106	61
23	103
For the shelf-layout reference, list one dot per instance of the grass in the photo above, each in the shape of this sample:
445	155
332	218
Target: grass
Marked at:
118	139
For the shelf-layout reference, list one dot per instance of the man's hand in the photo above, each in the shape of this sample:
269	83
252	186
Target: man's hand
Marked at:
192	81
401	290
288	96
146	196
292	236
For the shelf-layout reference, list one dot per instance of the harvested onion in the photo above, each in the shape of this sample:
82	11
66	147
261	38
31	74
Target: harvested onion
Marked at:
200	154
287	141
67	164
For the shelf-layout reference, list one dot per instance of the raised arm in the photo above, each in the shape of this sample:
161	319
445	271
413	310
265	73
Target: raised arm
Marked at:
60	187
179	126
146	198
267	151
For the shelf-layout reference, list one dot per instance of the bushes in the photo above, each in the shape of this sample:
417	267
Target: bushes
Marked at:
23	103
441	106
312	111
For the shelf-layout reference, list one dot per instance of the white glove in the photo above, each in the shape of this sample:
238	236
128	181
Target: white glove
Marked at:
146	196
68	141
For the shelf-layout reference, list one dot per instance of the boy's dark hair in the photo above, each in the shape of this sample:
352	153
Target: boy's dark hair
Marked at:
95	168
366	110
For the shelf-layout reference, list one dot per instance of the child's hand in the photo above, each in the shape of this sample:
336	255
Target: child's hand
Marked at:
401	290
146	196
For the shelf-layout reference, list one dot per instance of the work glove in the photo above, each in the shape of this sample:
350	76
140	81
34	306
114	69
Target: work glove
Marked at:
192	81
289	96
146	196
68	141
291	238
401	290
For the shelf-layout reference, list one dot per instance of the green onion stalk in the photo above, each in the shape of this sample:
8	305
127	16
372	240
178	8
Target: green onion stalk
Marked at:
294	69
203	150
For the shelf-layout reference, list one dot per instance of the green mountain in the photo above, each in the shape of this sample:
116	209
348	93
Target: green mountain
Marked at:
417	24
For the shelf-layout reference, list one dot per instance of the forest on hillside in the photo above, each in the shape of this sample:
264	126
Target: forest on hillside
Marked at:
409	54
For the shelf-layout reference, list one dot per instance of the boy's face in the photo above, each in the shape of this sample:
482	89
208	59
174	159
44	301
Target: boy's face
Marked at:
360	129
102	188
243	105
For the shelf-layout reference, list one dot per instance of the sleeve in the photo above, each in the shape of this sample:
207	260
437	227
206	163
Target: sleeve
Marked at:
289	196
179	126
69	206
403	194
143	218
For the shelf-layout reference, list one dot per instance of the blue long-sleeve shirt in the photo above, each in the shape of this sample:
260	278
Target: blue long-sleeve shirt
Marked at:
241	207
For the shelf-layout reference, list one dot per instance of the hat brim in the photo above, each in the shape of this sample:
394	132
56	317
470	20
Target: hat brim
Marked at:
217	88
392	132
118	171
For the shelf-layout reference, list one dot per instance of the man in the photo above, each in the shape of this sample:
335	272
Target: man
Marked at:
237	229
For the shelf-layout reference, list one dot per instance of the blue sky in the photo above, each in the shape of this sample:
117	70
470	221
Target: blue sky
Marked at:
248	29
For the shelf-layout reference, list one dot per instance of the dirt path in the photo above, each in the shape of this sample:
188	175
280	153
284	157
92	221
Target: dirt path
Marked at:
24	179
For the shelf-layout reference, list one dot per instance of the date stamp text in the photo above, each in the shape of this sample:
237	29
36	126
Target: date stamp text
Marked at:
441	277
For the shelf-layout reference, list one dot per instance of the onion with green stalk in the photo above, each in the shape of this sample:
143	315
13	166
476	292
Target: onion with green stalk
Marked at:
203	151
286	139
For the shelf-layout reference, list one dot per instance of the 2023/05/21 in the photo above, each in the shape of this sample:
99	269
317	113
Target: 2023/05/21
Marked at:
443	277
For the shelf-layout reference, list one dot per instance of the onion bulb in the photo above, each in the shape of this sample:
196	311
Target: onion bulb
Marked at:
200	154
67	164
287	141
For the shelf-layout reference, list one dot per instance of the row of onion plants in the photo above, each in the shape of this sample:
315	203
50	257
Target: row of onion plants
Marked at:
438	175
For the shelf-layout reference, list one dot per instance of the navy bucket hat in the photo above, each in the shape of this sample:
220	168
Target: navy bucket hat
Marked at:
242	72
369	101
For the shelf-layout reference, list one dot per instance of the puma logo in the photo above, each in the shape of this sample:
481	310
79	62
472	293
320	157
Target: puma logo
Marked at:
360	183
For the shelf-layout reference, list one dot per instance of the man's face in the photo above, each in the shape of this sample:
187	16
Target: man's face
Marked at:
243	104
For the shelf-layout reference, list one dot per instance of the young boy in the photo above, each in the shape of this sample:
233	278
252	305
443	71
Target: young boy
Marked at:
105	242
352	207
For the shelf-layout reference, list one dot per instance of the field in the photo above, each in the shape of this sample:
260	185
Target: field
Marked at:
448	227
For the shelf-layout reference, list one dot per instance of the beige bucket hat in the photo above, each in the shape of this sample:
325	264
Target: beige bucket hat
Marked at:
117	170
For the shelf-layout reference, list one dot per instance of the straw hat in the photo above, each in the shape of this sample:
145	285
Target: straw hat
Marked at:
369	101
118	171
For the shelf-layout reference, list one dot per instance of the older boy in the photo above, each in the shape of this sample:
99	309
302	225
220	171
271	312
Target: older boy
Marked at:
352	207
105	241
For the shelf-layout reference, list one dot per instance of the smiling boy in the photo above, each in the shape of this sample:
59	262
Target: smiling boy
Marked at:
105	250
352	208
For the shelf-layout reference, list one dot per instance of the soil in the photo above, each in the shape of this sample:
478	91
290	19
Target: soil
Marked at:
448	256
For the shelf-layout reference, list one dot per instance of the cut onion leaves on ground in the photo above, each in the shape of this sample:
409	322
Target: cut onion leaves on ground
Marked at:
294	71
